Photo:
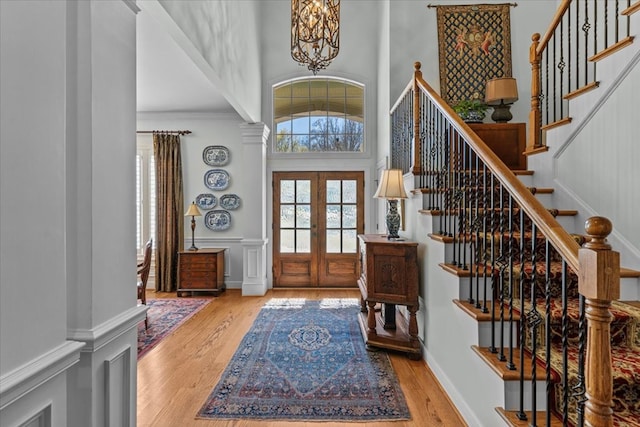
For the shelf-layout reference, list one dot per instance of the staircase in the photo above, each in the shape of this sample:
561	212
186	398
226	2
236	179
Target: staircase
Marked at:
510	282
495	296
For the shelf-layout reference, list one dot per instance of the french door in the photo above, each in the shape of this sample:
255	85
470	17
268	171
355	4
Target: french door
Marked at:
316	219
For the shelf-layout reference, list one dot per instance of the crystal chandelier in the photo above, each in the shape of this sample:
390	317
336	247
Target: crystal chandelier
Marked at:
315	32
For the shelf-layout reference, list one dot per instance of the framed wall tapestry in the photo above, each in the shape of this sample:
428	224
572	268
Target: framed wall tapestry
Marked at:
474	45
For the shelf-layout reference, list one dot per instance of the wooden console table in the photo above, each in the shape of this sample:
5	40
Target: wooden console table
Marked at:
507	140
389	277
201	271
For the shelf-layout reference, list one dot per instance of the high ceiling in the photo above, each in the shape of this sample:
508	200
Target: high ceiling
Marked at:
167	80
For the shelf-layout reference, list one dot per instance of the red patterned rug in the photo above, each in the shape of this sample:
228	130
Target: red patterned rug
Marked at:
165	316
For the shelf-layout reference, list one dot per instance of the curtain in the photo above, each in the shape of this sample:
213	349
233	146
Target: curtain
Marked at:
170	203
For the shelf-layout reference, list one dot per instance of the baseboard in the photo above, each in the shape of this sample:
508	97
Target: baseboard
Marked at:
455	397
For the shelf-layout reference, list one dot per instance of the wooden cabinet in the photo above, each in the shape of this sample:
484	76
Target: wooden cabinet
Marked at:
507	140
201	271
388	279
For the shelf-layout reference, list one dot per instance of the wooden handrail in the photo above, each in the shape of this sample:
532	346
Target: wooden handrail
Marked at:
555	233
557	18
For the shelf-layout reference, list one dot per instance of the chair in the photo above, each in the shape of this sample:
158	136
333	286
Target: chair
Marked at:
143	271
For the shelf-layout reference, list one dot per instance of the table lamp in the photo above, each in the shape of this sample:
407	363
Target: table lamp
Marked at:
500	94
391	188
193	212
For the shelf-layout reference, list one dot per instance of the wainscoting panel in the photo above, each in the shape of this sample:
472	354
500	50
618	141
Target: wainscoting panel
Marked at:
117	371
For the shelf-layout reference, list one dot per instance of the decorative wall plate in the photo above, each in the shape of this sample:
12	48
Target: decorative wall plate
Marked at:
206	201
216	155
217	220
230	202
216	179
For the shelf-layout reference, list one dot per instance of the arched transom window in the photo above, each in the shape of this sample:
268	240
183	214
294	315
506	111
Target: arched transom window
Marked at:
318	115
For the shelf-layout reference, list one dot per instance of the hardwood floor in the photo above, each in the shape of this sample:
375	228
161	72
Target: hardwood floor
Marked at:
176	377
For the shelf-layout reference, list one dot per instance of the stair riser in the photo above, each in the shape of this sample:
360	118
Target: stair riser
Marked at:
484	333
470	288
512	393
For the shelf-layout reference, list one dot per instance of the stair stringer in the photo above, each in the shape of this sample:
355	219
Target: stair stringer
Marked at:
473	386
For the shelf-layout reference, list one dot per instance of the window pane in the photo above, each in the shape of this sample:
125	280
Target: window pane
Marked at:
349	194
303	216
318	88
349	216
300	89
333	216
349	241
287	193
300	144
283	91
303	241
286	216
303	193
333	241
138	202
284	126
287	244
330	104
301	125
337	89
333	191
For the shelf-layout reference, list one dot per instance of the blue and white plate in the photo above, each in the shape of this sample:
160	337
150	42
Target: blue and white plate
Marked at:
206	201
230	202
216	179
216	155
217	220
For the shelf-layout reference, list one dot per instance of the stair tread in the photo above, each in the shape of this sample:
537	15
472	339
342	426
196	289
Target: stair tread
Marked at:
511	418
500	367
478	314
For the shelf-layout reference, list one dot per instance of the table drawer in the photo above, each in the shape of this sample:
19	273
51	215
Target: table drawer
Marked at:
198	263
197	275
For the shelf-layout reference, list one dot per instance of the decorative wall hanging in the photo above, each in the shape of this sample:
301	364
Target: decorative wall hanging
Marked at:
216	179
474	45
230	202
206	201
217	220
216	155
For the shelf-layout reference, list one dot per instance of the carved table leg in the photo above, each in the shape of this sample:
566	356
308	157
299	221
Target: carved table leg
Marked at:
371	317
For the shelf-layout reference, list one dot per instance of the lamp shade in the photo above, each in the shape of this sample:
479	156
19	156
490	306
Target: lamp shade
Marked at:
501	90
391	185
193	210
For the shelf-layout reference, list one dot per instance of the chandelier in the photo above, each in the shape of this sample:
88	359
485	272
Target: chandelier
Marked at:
315	32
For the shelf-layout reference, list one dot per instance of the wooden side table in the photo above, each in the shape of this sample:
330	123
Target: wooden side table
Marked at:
507	140
388	278
201	271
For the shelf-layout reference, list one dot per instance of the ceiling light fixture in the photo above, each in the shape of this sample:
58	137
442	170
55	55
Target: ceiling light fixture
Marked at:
315	32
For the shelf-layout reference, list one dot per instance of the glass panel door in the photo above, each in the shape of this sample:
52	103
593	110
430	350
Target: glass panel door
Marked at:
317	216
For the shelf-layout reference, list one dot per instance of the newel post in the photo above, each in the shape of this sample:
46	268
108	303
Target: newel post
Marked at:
599	283
417	74
535	115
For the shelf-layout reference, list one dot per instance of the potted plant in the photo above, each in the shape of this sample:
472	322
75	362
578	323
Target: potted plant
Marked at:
471	110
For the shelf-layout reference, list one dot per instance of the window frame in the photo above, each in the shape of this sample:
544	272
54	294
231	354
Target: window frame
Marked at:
365	151
145	207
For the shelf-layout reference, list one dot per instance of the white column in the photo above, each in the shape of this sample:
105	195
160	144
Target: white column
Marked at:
254	242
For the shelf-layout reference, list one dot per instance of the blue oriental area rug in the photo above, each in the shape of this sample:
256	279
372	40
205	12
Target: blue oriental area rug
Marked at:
303	361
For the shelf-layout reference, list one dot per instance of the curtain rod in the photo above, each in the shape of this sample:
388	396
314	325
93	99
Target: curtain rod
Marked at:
179	132
429	6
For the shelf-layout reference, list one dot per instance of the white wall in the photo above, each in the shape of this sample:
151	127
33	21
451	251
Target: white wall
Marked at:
414	37
225	35
210	129
67	298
